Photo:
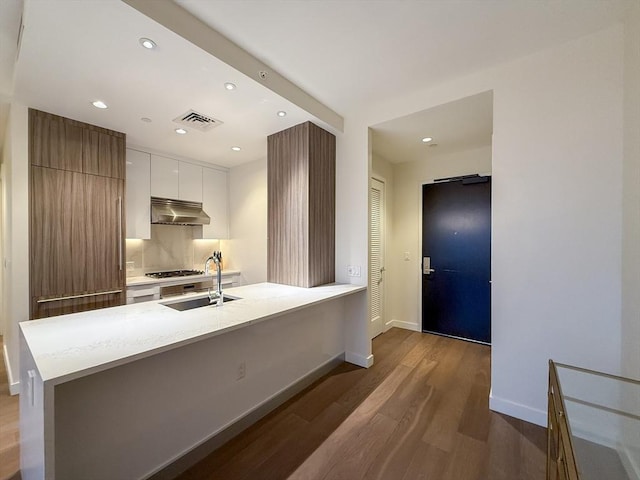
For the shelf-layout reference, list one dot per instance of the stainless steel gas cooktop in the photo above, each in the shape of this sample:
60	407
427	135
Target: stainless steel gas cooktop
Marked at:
174	273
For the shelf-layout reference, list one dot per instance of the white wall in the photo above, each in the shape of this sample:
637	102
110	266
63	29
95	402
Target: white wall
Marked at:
557	209
15	183
405	276
631	232
631	199
246	249
353	164
557	218
6	147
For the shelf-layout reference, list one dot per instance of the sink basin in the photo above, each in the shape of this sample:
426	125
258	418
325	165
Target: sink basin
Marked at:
195	303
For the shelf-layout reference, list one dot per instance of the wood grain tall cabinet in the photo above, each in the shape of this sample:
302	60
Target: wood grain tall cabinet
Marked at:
76	209
301	167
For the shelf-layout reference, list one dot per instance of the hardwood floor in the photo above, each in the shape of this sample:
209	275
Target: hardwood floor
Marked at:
9	430
420	413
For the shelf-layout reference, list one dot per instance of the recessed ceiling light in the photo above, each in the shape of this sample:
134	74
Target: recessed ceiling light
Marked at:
180	131
147	43
146	120
99	104
282	113
229	86
236	149
427	139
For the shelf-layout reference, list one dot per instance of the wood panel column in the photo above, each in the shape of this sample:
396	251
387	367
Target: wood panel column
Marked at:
301	166
76	233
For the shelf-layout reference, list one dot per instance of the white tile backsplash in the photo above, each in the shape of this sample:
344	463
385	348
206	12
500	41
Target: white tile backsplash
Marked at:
171	247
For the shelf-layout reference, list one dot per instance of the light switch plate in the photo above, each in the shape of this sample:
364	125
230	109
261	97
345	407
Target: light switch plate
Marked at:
130	266
353	270
407	256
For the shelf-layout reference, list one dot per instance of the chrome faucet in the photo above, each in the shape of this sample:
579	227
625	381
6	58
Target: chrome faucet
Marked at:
215	297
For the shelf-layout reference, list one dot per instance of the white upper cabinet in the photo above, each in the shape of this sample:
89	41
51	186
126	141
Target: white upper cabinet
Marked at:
215	203
138	194
165	173
190	182
175	179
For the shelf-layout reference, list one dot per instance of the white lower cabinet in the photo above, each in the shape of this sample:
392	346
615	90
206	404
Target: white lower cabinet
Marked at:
215	203
138	194
142	293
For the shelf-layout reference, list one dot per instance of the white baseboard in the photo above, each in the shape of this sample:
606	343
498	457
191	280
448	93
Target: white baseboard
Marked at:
14	385
359	360
400	324
517	410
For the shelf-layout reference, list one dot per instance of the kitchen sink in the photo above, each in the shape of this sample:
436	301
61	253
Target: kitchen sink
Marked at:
195	303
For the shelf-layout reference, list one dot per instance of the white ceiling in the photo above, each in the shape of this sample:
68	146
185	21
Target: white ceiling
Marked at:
10	13
455	126
344	53
350	52
74	52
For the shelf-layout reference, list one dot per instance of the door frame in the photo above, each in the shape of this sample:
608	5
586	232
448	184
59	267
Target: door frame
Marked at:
383	317
419	252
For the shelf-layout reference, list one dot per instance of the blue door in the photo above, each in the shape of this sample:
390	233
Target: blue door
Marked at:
456	251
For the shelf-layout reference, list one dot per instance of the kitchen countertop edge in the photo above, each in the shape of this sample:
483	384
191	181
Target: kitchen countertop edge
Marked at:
52	379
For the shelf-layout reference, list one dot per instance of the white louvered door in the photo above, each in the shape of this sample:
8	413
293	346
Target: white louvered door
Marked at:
376	261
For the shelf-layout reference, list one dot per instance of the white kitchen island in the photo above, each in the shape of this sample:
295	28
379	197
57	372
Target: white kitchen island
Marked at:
121	393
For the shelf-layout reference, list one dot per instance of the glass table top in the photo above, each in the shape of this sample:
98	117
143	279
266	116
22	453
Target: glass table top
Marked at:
603	412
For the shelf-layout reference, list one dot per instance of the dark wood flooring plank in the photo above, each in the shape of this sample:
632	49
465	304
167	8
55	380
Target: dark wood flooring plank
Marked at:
251	458
356	456
476	417
427	344
328	391
351	429
532	443
504	456
405	439
427	463
448	381
517	449
362	389
415	386
300	447
468	460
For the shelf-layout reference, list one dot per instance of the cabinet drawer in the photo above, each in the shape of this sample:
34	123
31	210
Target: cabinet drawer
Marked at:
142	294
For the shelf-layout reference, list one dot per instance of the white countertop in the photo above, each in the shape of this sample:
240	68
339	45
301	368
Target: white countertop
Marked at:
79	344
142	280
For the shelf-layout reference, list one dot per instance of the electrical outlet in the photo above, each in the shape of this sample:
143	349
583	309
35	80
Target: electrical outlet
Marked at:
353	270
242	371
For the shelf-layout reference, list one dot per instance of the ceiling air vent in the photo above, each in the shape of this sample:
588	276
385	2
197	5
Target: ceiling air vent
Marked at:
197	120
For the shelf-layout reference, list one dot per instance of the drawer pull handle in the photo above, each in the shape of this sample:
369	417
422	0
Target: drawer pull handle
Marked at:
71	297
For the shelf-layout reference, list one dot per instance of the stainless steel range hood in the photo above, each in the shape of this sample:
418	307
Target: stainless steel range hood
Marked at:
177	212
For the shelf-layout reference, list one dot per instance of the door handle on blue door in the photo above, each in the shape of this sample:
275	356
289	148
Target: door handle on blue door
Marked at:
426	266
